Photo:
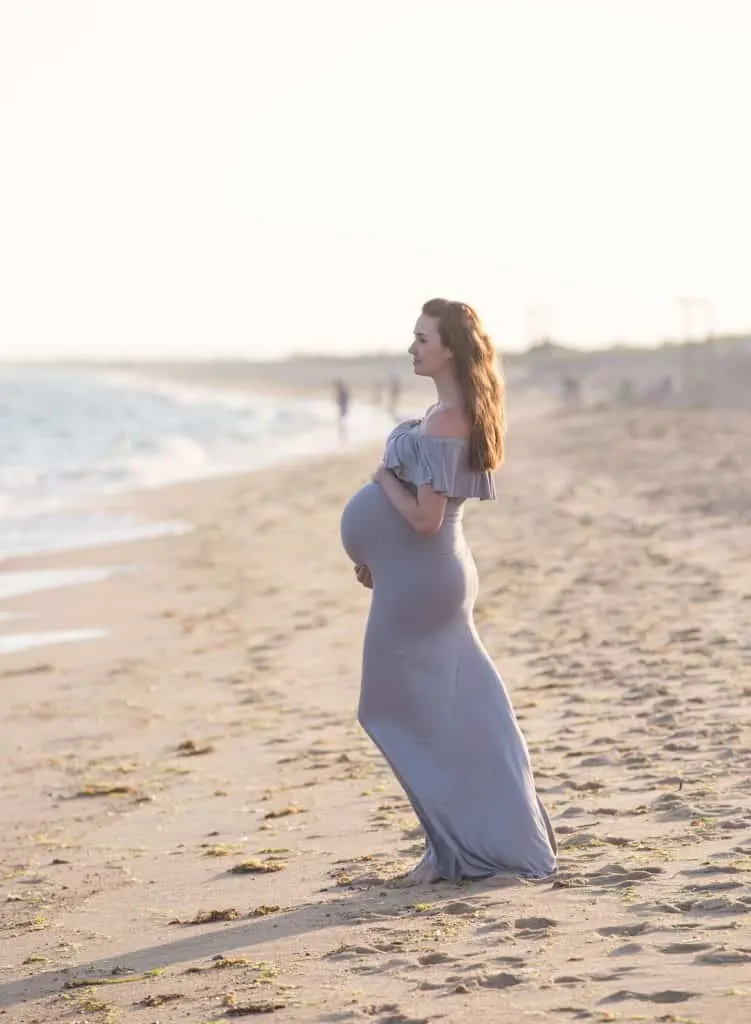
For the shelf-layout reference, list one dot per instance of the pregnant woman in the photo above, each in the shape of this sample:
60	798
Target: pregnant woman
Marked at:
431	699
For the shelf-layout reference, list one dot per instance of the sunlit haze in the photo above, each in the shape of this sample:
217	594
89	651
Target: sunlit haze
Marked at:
194	178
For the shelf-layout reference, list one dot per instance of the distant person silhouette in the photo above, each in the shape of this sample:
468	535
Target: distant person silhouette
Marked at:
395	390
571	390
342	399
664	389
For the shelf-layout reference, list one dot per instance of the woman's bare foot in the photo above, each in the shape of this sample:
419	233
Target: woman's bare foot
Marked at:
423	873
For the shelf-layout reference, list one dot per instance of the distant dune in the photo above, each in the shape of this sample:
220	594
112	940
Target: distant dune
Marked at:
712	373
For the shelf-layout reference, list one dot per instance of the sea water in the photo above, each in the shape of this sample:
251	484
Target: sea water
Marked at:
70	439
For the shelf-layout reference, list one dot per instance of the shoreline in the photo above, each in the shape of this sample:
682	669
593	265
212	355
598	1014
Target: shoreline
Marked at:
215	727
151	510
108	560
130	502
109	518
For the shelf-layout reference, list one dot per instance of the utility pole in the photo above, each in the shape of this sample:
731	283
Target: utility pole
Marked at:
538	323
690	306
705	308
709	318
687	304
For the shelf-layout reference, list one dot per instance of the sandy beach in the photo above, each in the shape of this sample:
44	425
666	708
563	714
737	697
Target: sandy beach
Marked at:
194	827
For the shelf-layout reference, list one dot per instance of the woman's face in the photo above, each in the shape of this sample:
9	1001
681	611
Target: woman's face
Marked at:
430	357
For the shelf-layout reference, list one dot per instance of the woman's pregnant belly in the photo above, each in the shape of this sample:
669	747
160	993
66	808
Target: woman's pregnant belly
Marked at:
374	534
368	524
421	583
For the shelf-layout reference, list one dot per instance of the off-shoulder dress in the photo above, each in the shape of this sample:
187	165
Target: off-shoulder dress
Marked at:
431	699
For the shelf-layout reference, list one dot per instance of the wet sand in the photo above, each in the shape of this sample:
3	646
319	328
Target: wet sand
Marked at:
194	828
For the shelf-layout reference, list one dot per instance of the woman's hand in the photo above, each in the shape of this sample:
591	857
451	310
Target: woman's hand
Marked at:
362	573
379	473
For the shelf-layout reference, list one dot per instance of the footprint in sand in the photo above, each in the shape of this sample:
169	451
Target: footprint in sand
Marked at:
612	975
713	905
345	952
401	1018
535	924
494	926
461	908
437	958
725	956
457	985
569	882
429	986
391	1013
618	877
624	929
533	927
666	996
500	980
385	967
713	887
711	869
685	947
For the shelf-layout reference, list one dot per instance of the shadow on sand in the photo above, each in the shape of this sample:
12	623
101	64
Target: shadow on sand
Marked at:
388	902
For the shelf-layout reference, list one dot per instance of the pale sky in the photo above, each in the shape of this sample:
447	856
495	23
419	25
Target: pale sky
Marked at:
256	177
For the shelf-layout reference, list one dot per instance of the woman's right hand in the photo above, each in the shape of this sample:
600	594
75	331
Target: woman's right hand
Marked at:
362	572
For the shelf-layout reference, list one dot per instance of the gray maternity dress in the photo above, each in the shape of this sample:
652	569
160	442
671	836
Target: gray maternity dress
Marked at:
431	699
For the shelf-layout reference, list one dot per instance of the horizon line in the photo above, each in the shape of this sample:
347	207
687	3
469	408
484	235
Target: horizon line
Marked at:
320	355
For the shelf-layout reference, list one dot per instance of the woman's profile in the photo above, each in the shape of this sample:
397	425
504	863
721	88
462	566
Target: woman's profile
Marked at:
431	698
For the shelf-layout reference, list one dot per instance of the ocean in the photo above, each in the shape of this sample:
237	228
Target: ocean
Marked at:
69	439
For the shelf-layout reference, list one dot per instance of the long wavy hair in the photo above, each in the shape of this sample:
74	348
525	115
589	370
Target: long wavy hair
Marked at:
479	376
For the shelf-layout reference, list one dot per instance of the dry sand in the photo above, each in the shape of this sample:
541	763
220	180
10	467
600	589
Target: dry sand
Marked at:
203	761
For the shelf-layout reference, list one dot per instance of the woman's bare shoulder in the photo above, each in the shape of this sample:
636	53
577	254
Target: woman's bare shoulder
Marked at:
450	423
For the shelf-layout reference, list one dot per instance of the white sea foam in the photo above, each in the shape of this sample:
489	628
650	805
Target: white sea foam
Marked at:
68	439
23	641
17	584
13	584
14	616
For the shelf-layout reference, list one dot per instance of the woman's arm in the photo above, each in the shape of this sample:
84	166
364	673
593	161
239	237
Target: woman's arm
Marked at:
424	513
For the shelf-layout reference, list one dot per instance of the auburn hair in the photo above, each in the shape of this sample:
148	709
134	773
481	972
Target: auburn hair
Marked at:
479	376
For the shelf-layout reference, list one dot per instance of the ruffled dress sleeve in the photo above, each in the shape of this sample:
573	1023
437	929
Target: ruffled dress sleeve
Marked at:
441	462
